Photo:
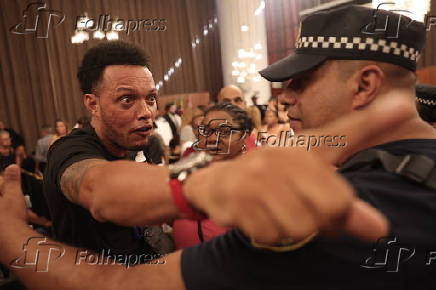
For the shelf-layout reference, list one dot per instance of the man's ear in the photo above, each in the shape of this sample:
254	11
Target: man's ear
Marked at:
91	102
368	84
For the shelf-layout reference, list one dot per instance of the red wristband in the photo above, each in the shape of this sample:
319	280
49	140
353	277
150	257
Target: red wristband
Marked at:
181	202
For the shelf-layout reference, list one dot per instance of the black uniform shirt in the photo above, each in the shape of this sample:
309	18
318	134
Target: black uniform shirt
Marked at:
405	260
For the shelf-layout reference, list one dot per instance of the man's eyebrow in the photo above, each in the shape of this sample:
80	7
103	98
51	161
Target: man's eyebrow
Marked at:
126	89
132	90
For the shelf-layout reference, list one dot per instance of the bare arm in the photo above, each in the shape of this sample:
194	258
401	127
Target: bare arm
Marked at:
123	192
71	272
58	266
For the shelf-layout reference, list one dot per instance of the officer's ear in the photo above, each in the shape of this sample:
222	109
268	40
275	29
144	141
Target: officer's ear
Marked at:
367	83
91	102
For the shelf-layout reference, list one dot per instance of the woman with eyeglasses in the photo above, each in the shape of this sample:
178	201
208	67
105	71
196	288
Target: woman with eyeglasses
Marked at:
222	133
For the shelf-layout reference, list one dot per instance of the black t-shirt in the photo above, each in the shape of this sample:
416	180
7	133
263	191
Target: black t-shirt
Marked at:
406	260
72	223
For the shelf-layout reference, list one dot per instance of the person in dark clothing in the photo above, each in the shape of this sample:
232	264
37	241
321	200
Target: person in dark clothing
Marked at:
119	93
16	138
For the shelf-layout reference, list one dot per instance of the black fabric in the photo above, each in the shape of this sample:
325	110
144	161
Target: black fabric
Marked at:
230	262
154	151
176	137
74	224
33	187
419	168
426	102
6	160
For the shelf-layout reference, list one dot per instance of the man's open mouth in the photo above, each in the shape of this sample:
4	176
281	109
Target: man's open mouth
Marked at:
145	129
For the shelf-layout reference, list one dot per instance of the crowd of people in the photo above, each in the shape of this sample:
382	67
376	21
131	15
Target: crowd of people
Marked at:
217	198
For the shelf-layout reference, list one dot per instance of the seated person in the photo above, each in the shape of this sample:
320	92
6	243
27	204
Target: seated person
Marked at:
222	133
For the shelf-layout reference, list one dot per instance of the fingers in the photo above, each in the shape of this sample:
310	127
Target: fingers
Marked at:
12	182
365	222
363	128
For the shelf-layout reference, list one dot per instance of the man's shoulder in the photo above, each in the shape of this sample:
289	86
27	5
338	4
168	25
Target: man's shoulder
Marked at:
78	145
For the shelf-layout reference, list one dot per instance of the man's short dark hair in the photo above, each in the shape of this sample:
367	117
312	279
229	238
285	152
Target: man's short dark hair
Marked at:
108	53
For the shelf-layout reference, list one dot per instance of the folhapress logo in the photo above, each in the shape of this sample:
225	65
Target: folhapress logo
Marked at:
38	252
388	255
37	19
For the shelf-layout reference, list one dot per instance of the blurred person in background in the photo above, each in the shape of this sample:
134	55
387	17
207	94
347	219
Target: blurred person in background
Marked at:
42	146
189	132
16	138
221	133
7	152
262	108
168	126
60	130
271	133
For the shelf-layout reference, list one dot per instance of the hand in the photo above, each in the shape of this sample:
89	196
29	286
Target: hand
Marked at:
280	193
12	203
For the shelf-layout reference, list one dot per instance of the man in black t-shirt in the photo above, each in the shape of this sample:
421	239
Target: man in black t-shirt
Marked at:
300	219
119	93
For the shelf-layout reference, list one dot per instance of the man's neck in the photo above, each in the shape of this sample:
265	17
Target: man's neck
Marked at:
414	129
111	147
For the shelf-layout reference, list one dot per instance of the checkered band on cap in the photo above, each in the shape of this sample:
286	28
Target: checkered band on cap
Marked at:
359	44
426	102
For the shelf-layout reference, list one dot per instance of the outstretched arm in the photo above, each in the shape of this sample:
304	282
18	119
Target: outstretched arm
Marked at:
123	192
65	268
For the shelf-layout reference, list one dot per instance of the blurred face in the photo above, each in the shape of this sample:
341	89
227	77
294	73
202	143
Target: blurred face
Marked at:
271	118
220	136
233	96
316	97
61	128
5	140
196	122
173	109
124	107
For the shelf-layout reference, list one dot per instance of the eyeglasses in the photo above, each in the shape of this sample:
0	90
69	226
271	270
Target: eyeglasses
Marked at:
222	130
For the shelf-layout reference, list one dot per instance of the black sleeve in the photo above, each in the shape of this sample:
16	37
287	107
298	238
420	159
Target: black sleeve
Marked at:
68	151
230	262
